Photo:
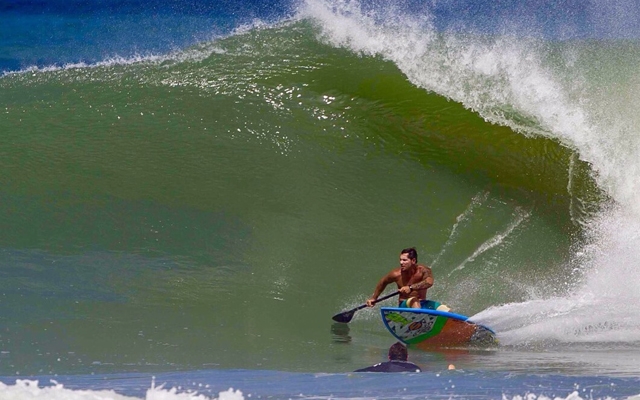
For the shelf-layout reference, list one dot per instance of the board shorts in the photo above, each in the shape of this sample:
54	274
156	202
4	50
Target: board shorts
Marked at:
426	304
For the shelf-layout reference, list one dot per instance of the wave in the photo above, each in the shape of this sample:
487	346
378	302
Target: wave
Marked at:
263	158
533	86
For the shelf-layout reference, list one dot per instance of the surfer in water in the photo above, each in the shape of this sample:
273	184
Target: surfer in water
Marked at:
412	279
397	362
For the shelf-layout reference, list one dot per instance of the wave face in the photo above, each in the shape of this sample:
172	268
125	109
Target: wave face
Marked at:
213	205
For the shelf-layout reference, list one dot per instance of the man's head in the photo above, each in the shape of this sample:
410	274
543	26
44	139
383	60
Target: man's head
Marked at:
398	352
408	258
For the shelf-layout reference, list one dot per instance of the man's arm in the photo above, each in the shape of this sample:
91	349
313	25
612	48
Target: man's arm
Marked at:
426	282
382	284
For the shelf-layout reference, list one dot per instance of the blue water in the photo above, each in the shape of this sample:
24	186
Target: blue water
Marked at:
46	33
176	225
57	33
239	384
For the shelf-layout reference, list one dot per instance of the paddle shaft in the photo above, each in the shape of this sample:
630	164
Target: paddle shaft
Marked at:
397	292
346	316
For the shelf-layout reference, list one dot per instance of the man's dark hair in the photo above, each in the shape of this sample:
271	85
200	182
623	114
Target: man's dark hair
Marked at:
411	251
398	352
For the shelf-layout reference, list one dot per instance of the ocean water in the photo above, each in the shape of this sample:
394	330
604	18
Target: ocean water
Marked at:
190	190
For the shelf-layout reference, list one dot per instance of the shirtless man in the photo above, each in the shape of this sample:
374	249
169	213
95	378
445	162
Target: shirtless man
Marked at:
412	279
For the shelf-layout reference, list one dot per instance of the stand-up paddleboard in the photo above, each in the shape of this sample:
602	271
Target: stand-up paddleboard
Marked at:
424	328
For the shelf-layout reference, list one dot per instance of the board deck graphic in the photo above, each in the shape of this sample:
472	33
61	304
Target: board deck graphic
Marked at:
425	328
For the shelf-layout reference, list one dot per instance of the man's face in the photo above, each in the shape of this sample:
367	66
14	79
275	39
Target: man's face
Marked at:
405	261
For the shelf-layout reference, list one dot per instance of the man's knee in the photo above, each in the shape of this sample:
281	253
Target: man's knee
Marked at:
413	302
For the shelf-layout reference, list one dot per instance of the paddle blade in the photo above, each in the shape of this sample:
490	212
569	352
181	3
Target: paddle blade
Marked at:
344	317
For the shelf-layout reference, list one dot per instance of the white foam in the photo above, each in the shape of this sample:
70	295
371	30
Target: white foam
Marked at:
29	389
532	396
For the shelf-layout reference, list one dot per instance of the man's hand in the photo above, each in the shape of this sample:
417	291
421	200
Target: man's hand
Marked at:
405	289
371	302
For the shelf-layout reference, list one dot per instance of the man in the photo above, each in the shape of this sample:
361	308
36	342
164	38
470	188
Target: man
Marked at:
412	279
397	362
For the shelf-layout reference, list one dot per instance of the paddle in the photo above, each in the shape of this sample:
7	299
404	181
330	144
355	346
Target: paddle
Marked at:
346	316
